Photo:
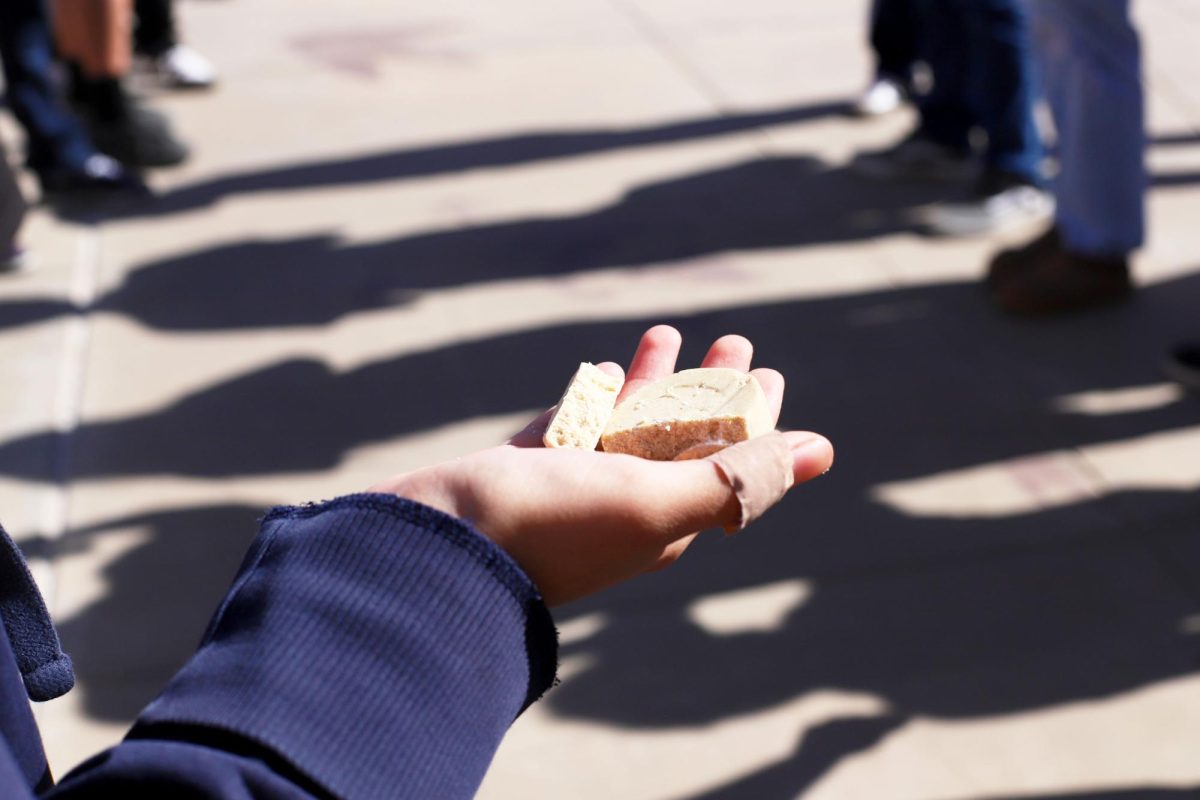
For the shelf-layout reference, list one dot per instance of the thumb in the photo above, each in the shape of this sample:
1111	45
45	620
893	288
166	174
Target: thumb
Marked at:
734	486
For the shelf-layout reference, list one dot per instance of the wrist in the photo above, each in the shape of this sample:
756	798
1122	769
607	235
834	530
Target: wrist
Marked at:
430	487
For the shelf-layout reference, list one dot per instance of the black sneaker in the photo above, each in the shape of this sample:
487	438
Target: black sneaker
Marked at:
917	158
99	175
138	138
1182	364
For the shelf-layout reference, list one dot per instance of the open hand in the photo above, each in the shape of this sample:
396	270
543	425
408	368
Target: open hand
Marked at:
579	521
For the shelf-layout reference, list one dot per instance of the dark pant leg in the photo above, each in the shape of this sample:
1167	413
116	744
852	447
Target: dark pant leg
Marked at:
154	31
946	113
1093	75
12	204
55	137
1002	86
895	38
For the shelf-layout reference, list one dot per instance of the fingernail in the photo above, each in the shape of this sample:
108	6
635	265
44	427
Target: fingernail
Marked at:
811	445
804	441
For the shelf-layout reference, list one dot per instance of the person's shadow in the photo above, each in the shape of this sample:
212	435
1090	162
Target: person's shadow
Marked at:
1078	592
851	356
767	203
495	152
160	595
822	747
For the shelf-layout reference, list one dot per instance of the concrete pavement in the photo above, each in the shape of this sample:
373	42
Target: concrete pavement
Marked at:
994	594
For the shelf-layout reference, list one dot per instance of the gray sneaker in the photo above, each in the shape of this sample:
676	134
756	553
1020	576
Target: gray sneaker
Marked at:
917	159
998	204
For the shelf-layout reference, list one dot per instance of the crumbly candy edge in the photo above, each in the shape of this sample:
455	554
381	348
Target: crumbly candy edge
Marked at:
585	371
653	431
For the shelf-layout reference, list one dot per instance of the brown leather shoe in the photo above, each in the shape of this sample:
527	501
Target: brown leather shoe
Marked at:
1007	263
1042	278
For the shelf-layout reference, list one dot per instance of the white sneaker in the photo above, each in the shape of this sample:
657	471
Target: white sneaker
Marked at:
884	95
991	212
184	68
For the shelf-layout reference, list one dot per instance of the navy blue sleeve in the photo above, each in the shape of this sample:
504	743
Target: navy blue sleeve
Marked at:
370	647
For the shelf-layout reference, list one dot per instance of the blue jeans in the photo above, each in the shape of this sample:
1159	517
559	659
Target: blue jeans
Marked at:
55	137
983	75
1091	66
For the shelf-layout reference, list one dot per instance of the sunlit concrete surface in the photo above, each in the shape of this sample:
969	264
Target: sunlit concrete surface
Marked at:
406	223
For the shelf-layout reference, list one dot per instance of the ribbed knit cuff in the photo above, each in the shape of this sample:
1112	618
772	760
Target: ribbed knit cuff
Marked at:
379	646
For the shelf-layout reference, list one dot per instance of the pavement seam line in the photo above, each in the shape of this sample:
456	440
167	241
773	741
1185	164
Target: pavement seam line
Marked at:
67	402
663	43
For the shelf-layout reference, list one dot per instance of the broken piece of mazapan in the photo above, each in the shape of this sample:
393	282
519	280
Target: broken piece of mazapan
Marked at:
584	410
690	414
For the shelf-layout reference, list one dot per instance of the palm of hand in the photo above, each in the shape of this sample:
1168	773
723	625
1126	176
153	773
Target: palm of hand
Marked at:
579	521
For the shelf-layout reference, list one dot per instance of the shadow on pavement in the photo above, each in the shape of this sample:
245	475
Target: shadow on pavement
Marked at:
785	779
441	159
161	594
15	313
913	382
768	203
489	153
937	616
1141	793
818	750
1168	139
1170	179
937	612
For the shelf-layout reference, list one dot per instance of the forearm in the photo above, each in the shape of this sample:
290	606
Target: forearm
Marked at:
372	646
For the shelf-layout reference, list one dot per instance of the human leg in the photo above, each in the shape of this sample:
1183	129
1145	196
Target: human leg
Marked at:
156	38
997	83
1092	69
154	30
94	35
1001	86
1092	72
55	137
946	113
59	148
939	149
895	38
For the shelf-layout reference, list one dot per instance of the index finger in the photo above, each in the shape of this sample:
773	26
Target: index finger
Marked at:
654	359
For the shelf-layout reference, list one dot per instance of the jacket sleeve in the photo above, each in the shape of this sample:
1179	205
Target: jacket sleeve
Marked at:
370	647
